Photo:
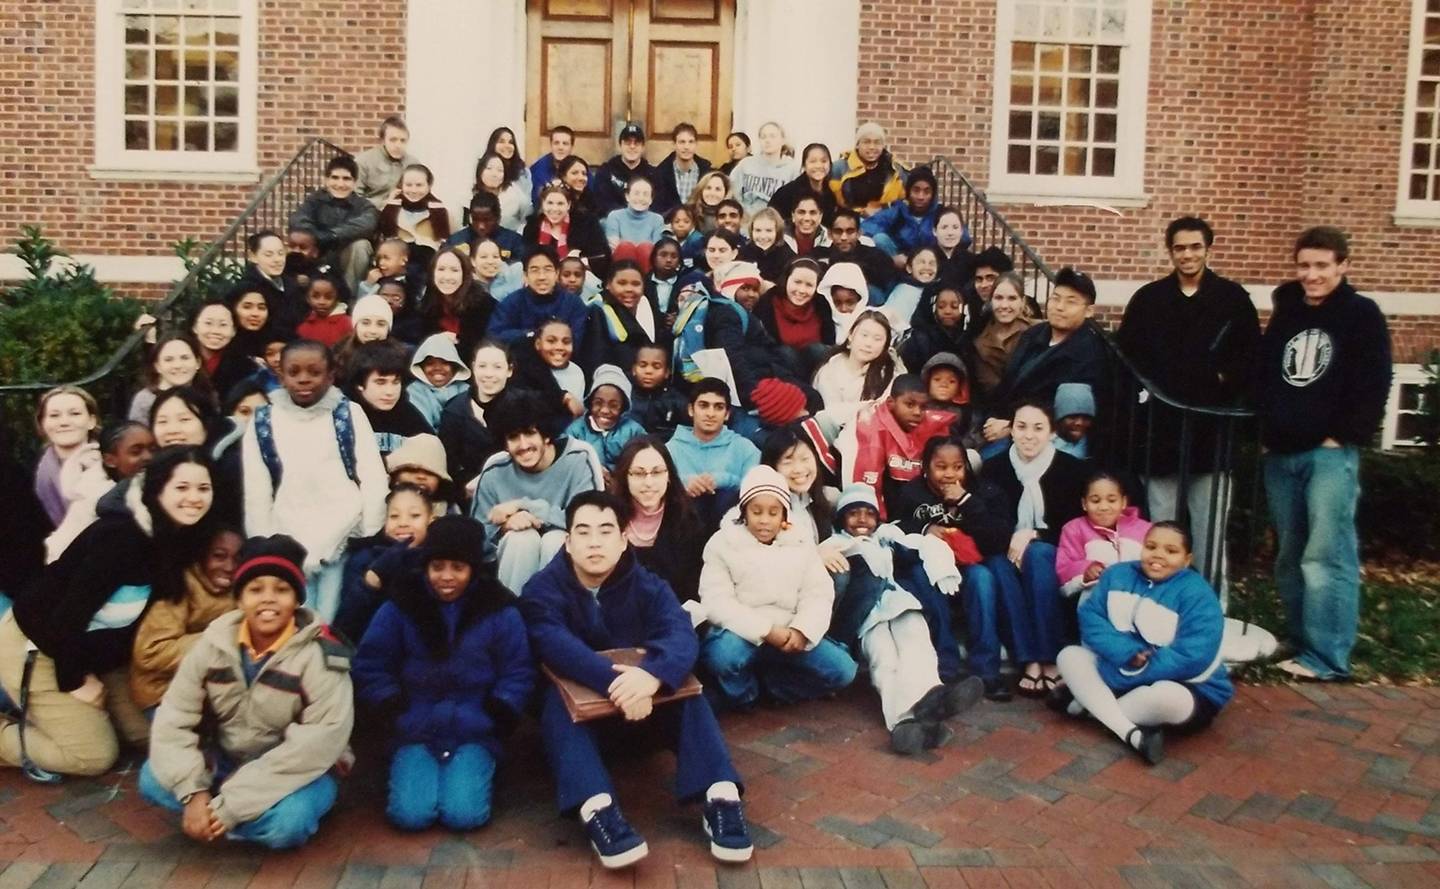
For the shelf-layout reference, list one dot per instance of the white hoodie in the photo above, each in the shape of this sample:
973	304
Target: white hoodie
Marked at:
316	503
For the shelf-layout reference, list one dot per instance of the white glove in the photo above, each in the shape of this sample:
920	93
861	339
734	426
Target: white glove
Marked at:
948	585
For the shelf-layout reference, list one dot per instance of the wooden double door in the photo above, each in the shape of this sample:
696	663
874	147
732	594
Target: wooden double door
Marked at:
594	64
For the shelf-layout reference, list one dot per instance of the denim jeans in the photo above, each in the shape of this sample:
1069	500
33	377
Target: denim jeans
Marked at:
1312	498
285	825
740	668
688	727
1030	618
980	592
454	789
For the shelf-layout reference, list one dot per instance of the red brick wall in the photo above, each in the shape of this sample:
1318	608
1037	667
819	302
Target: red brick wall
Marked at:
1264	117
47	91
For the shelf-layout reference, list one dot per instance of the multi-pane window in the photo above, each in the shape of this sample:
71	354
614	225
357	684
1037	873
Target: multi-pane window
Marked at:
182	75
175	86
1420	154
1070	96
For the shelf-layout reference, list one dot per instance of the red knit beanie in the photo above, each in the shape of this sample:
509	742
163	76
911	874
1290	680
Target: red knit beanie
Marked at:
777	401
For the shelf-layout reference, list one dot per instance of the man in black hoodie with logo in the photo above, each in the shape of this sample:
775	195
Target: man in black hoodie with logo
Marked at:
1324	378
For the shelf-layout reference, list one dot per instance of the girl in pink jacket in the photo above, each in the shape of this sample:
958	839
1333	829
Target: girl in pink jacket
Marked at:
1110	531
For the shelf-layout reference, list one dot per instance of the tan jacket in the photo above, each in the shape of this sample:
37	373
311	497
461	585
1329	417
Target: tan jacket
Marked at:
283	731
167	633
993	348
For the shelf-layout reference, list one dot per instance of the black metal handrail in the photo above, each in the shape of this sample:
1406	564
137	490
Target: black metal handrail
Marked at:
1149	430
270	208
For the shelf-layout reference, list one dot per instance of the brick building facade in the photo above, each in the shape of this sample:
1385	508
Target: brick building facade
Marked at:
1262	116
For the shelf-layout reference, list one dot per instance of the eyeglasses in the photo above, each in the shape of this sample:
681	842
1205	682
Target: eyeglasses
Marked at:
642	474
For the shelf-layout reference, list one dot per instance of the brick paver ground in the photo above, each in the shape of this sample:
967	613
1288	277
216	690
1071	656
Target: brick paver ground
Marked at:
1293	786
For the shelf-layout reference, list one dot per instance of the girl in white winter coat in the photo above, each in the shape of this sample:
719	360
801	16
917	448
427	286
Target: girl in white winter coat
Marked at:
768	598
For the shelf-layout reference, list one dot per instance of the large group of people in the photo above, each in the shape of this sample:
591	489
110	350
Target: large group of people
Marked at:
772	422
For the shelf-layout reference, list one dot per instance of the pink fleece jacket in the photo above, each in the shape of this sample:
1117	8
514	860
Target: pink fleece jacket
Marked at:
1083	542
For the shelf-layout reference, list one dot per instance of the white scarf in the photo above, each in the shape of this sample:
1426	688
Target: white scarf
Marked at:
1030	514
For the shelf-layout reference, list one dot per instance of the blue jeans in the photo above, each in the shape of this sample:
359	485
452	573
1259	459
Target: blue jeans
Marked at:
739	668
980	592
1312	498
453	790
285	825
687	727
1030	618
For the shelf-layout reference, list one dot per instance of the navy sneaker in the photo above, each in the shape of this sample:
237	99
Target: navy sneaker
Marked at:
724	823
615	842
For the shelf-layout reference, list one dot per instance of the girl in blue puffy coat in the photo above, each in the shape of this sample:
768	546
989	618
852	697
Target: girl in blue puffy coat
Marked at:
447	664
1149	657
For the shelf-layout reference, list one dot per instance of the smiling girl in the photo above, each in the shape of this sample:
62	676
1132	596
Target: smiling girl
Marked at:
1149	657
65	648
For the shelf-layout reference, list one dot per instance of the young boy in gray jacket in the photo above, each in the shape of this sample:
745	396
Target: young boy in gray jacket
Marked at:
260	712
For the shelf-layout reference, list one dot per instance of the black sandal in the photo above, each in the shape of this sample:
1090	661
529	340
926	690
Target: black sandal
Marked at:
1036	688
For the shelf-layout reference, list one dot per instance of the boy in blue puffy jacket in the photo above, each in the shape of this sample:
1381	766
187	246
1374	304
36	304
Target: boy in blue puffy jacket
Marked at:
1149	656
446	660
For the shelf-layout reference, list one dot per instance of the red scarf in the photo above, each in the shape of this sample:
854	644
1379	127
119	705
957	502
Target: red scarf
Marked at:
559	235
797	326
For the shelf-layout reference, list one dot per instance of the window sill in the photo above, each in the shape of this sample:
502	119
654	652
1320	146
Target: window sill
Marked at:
1413	220
1103	202
130	174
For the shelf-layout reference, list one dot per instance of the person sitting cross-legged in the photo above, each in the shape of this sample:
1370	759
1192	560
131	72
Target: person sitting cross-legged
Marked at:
258	715
596	596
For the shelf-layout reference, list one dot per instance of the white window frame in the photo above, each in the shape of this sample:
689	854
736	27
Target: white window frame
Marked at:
114	161
1407	210
1405	375
1127	187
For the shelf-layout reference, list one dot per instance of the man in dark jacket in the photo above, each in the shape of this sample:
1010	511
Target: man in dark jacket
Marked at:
1324	378
845	246
678	174
1192	336
1067	348
610	180
595	596
341	219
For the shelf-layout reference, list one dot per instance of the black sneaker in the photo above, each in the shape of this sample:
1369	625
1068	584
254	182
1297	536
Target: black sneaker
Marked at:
724	823
998	690
937	734
615	842
945	701
907	738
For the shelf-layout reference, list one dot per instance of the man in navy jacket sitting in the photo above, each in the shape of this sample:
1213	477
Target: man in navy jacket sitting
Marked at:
594	596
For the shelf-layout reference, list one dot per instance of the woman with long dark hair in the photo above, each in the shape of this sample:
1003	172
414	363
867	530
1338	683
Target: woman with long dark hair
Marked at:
453	302
65	645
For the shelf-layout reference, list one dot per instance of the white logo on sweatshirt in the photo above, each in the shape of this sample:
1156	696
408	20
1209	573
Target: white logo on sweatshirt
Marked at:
1307	356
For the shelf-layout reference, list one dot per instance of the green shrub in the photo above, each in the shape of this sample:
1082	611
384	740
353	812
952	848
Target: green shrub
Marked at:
59	325
1397	517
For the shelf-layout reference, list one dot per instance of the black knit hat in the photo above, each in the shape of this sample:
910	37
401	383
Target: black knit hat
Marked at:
456	537
921	173
278	555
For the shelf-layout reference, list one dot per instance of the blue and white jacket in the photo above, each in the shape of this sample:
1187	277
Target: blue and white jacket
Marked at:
1177	619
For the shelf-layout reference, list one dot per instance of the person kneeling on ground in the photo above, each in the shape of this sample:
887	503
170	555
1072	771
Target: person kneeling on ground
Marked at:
884	621
1149	656
595	596
258	715
446	666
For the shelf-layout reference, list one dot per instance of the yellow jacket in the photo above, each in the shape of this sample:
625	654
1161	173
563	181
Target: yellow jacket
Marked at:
167	633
